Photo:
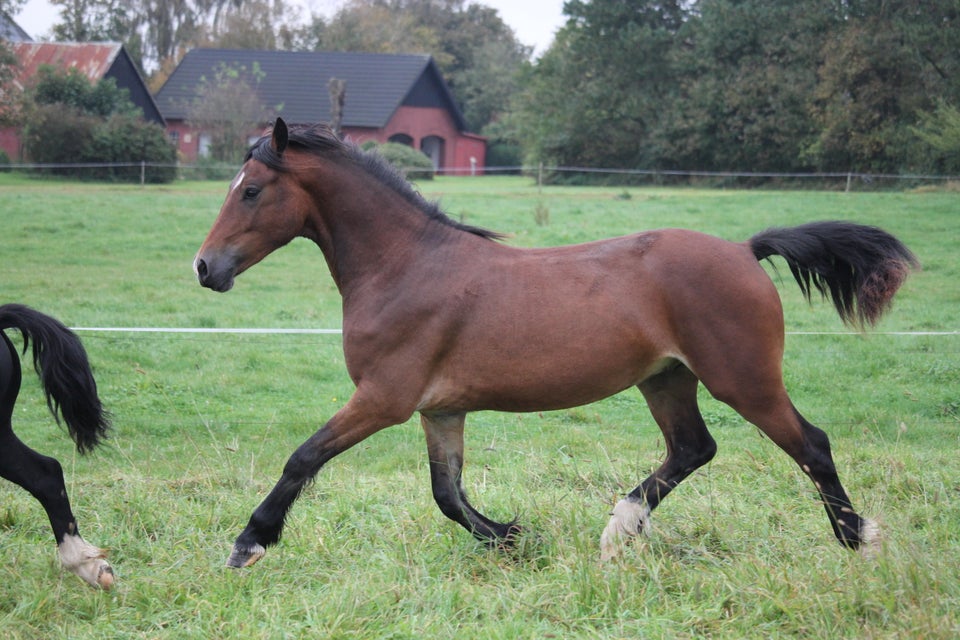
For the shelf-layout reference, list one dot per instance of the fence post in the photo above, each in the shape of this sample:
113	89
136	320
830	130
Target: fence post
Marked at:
143	172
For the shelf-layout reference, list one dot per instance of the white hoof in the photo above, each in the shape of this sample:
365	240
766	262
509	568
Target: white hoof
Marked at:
628	520
870	539
87	561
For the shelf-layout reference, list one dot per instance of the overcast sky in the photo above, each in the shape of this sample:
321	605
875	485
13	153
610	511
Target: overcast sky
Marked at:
534	21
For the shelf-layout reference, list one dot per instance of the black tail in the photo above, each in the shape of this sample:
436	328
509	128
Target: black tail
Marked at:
858	267
64	371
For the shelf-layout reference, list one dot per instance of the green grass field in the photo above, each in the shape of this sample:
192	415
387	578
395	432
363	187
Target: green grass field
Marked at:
204	423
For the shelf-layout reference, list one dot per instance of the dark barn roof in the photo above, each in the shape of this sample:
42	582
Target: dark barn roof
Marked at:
294	84
10	31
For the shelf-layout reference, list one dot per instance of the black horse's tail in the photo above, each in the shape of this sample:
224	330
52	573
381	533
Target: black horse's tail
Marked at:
857	266
64	371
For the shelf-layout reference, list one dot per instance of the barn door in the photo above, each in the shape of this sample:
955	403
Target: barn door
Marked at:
433	146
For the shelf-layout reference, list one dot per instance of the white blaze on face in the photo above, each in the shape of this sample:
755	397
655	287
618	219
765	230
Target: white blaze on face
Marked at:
237	181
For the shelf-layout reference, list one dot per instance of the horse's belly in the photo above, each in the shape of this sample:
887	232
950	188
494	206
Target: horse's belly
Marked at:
539	382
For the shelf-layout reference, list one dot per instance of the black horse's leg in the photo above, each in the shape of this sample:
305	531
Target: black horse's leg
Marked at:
42	477
353	423
672	398
852	530
754	387
444	434
810	448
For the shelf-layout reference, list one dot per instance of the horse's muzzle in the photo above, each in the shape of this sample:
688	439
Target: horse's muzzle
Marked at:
214	275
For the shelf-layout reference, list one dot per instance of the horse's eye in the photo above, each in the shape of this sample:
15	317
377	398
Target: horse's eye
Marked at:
250	193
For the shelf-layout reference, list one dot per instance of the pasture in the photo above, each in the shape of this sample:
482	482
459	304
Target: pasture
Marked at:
205	421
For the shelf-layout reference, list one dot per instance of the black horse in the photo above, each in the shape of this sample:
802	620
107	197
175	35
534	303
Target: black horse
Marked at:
71	393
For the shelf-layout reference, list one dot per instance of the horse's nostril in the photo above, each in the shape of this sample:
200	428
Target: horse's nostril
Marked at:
201	269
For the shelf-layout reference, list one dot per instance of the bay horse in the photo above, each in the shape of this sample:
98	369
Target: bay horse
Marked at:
71	394
442	319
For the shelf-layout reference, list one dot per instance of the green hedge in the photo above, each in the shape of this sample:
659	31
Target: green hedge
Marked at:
415	165
62	136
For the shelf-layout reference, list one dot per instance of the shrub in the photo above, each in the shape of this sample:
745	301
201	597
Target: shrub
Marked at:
131	141
505	154
207	168
58	135
71	122
415	165
64	137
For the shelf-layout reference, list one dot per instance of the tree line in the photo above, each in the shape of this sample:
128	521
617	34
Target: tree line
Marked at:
749	85
770	86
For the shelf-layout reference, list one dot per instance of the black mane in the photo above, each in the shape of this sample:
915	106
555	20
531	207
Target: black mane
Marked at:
320	140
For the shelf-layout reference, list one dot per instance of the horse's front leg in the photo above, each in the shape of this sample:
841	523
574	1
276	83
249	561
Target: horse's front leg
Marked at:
444	434
352	424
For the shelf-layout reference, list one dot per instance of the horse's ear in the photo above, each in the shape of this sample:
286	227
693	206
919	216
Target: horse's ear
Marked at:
279	141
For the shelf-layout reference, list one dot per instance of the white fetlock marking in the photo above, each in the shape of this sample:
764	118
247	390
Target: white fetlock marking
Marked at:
86	560
240	558
870	539
628	520
256	553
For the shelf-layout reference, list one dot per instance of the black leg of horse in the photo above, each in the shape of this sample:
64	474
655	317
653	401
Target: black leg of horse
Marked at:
444	434
771	410
349	426
42	477
672	398
851	529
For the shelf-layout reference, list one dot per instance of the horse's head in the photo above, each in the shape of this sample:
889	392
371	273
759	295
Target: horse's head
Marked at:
262	212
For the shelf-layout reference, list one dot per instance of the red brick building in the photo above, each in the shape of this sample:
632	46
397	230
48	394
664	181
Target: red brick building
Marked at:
398	98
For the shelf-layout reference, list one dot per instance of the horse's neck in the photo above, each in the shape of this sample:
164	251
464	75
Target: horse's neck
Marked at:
370	231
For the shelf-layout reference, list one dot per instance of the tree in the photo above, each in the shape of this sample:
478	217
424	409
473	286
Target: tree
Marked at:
598	94
375	27
256	24
157	32
91	20
884	65
743	85
227	108
746	71
474	49
337	89
70	88
69	121
868	92
9	93
940	129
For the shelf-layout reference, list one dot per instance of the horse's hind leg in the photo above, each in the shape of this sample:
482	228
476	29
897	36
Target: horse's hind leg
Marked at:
42	477
755	390
444	434
810	448
672	398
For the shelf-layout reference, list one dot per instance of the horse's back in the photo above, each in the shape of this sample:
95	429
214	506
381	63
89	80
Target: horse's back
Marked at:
559	327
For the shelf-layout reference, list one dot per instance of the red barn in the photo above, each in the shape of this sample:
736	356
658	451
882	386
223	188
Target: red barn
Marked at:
397	98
